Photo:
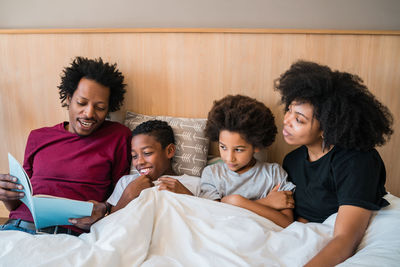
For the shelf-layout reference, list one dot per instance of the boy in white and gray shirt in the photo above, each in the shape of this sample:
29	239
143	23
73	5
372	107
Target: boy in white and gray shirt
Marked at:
153	147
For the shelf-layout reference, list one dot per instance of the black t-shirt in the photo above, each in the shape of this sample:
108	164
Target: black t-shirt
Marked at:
341	177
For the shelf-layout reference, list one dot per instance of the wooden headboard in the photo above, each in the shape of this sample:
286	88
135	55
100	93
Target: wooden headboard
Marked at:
180	72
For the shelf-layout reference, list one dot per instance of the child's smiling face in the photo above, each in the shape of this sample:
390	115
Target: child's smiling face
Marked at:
149	158
236	152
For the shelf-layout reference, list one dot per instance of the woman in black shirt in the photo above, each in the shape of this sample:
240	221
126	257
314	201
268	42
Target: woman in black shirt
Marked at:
337	122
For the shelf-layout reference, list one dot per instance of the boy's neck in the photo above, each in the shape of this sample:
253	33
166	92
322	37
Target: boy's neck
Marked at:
170	171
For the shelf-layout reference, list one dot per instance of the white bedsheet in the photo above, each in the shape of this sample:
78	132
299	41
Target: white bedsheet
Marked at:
165	229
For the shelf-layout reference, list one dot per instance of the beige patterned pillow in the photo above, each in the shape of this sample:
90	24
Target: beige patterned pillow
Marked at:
191	142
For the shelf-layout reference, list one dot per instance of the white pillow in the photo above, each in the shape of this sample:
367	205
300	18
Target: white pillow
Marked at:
191	142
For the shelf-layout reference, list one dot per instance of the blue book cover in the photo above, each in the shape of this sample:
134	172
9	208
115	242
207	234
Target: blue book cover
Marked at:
47	210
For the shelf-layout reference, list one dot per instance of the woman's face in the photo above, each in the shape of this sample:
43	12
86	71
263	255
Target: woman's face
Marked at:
299	125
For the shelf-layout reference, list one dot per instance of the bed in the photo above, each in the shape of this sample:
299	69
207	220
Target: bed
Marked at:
161	228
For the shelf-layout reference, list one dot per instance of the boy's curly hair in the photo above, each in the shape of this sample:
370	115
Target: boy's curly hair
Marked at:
103	73
160	130
244	115
350	116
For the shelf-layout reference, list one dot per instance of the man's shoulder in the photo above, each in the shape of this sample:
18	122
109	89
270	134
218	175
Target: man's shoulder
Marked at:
114	128
47	129
115	125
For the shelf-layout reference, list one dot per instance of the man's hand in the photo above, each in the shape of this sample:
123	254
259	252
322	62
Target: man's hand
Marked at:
98	212
173	185
10	198
8	182
278	200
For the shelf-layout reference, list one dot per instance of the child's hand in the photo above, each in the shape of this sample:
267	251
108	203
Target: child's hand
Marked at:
135	187
173	185
132	191
278	200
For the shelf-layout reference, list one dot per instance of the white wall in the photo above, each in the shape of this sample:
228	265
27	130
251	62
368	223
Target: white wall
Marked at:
302	14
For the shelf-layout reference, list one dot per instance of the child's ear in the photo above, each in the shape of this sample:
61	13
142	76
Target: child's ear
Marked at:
256	149
170	151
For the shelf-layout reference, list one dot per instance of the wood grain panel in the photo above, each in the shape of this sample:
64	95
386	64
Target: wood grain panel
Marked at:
198	30
182	73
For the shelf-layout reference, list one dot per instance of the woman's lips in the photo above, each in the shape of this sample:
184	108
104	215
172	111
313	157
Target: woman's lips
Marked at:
285	133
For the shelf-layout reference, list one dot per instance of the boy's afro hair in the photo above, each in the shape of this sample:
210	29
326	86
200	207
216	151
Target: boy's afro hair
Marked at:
244	115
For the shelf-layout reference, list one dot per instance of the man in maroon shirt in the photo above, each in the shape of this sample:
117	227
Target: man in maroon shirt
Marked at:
80	159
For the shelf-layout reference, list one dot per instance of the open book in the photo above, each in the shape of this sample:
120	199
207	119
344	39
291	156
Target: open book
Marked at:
47	210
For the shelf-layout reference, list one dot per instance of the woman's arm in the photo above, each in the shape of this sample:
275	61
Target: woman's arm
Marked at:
282	218
351	223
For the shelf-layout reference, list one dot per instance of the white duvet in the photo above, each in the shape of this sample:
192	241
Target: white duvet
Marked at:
160	228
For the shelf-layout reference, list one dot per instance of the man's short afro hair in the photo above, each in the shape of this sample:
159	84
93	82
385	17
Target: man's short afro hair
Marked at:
93	69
